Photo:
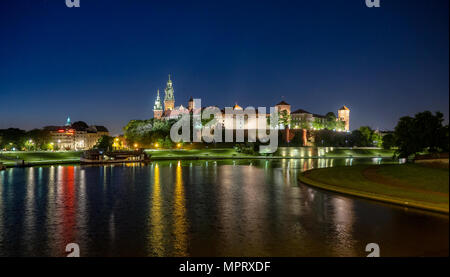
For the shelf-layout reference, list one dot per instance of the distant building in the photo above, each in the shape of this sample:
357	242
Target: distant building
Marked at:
283	106
157	108
301	119
344	115
76	136
169	99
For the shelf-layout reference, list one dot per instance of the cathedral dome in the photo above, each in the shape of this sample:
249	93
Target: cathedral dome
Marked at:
237	107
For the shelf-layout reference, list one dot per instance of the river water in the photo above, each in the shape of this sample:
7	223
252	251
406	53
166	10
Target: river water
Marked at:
203	208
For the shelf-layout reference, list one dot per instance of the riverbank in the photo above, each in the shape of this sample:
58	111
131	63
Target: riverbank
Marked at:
281	153
11	159
410	185
14	158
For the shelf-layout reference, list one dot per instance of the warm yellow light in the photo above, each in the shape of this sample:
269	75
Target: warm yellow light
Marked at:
156	144
179	145
116	139
136	145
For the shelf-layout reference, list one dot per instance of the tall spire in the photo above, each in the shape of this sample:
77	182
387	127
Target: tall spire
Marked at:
68	123
169	99
157	106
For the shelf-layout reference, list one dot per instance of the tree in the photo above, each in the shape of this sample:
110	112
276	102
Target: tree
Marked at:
284	118
340	125
356	138
330	138
330	121
423	132
388	141
298	139
105	143
38	139
317	124
366	133
12	138
147	132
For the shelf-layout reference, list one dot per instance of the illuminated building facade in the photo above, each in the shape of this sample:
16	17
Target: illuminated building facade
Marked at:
344	115
298	119
157	108
76	136
169	99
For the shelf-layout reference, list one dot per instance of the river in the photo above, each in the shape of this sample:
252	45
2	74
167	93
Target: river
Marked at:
203	208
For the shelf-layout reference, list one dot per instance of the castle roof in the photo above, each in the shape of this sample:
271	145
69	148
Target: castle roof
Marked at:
299	111
282	103
344	108
318	115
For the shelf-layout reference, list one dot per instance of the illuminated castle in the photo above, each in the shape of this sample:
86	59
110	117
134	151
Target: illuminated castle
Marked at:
297	119
170	111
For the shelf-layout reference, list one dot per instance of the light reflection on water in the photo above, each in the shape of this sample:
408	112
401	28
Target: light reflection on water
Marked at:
202	208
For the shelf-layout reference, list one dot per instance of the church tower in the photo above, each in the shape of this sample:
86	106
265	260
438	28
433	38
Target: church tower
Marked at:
169	100
157	108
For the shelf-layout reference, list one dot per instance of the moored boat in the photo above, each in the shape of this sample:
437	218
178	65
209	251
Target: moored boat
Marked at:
100	157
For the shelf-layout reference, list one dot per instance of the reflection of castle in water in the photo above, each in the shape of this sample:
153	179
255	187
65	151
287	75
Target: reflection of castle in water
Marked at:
199	208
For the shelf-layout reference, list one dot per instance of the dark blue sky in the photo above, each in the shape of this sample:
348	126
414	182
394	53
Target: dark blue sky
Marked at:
102	63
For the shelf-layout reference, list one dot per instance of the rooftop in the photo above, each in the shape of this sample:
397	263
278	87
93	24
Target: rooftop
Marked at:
299	111
282	103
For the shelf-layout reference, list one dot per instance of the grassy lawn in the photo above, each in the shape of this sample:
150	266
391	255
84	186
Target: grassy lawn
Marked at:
225	152
8	158
408	184
229	152
359	153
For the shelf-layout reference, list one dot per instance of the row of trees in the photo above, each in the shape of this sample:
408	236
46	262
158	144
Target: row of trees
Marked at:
425	132
362	137
36	139
145	133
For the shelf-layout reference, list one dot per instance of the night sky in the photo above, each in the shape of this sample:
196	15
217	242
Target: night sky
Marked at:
102	63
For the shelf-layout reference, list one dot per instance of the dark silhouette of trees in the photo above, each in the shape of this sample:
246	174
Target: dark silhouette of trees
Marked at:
423	132
388	141
105	143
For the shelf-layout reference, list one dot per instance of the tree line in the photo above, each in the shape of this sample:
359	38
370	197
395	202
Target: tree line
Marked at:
17	139
423	133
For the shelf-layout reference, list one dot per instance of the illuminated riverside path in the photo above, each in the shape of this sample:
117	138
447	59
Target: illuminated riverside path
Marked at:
202	208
